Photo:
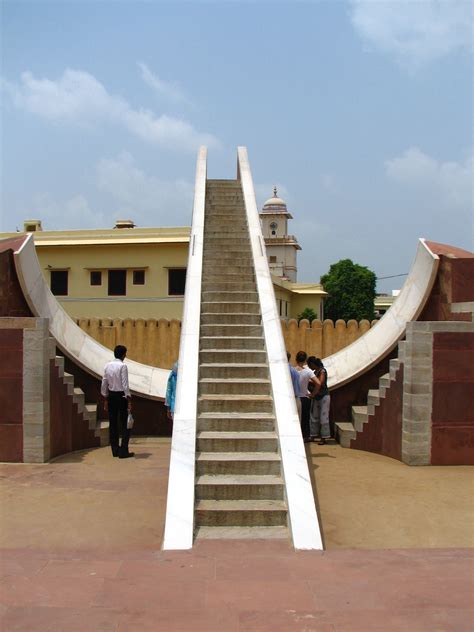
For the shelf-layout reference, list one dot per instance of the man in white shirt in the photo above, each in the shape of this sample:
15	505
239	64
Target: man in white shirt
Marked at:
118	402
306	376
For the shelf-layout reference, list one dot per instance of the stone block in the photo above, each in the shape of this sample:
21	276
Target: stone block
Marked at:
412	412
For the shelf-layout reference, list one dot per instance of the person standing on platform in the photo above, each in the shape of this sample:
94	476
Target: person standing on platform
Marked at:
171	391
295	380
320	403
118	402
306	377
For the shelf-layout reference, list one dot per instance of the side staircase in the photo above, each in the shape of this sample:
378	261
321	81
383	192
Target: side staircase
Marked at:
87	411
347	431
239	489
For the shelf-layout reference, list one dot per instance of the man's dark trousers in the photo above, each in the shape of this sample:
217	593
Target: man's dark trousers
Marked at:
118	413
305	412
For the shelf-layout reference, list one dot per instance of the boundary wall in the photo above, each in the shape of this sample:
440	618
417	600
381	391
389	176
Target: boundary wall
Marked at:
156	342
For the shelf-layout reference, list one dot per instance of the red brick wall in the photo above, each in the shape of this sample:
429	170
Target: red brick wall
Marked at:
453	399
11	395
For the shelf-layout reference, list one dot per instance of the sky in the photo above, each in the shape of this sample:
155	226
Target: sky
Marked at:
359	111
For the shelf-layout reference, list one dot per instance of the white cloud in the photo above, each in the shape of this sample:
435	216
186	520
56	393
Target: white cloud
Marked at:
414	31
448	182
148	200
160	87
77	97
73	213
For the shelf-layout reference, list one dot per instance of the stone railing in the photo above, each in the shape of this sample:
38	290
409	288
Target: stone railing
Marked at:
156	342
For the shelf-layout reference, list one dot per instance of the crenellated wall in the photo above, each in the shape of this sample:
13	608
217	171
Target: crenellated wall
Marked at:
156	342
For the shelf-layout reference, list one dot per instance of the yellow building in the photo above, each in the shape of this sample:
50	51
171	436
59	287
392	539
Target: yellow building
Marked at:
130	272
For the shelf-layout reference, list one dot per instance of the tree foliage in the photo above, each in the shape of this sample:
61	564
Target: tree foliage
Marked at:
351	290
308	313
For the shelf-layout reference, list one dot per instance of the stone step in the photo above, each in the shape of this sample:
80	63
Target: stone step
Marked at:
359	417
235	403
59	363
234	386
237	239
215	229
248	296
222	441
225	307
385	380
238	463
230	318
228	271
241	533
231	329
91	413
68	378
345	432
236	422
233	356
224	284
246	513
229	286
102	431
233	487
373	396
394	365
228	276
222	258
235	371
78	398
231	342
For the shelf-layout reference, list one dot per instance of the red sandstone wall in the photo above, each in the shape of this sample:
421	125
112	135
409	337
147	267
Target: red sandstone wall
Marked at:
11	395
12	302
454	284
383	431
452	439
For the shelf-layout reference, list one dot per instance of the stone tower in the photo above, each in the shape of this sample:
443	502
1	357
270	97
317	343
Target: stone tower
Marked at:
281	247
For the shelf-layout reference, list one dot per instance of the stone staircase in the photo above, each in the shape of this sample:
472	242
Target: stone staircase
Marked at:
239	489
347	431
87	410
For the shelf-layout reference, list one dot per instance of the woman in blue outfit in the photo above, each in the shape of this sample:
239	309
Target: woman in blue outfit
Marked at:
171	391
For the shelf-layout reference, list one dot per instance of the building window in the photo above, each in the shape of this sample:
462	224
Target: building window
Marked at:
96	277
117	283
139	277
59	282
272	259
176	281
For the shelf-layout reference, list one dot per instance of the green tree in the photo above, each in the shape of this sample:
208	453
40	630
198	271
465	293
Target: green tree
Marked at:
308	313
351	290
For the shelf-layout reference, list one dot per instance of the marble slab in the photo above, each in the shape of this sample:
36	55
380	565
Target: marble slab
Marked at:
179	525
303	519
375	344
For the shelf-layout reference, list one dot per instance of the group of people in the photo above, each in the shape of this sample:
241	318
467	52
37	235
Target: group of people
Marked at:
309	378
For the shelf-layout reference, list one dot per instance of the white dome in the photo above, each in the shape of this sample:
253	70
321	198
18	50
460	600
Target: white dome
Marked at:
274	201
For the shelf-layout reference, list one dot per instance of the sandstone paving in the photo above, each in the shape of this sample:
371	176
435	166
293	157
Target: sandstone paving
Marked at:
79	556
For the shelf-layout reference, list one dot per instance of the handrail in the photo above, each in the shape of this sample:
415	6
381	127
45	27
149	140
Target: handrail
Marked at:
303	519
179	526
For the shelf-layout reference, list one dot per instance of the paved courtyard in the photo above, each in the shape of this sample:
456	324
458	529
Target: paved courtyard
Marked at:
80	542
